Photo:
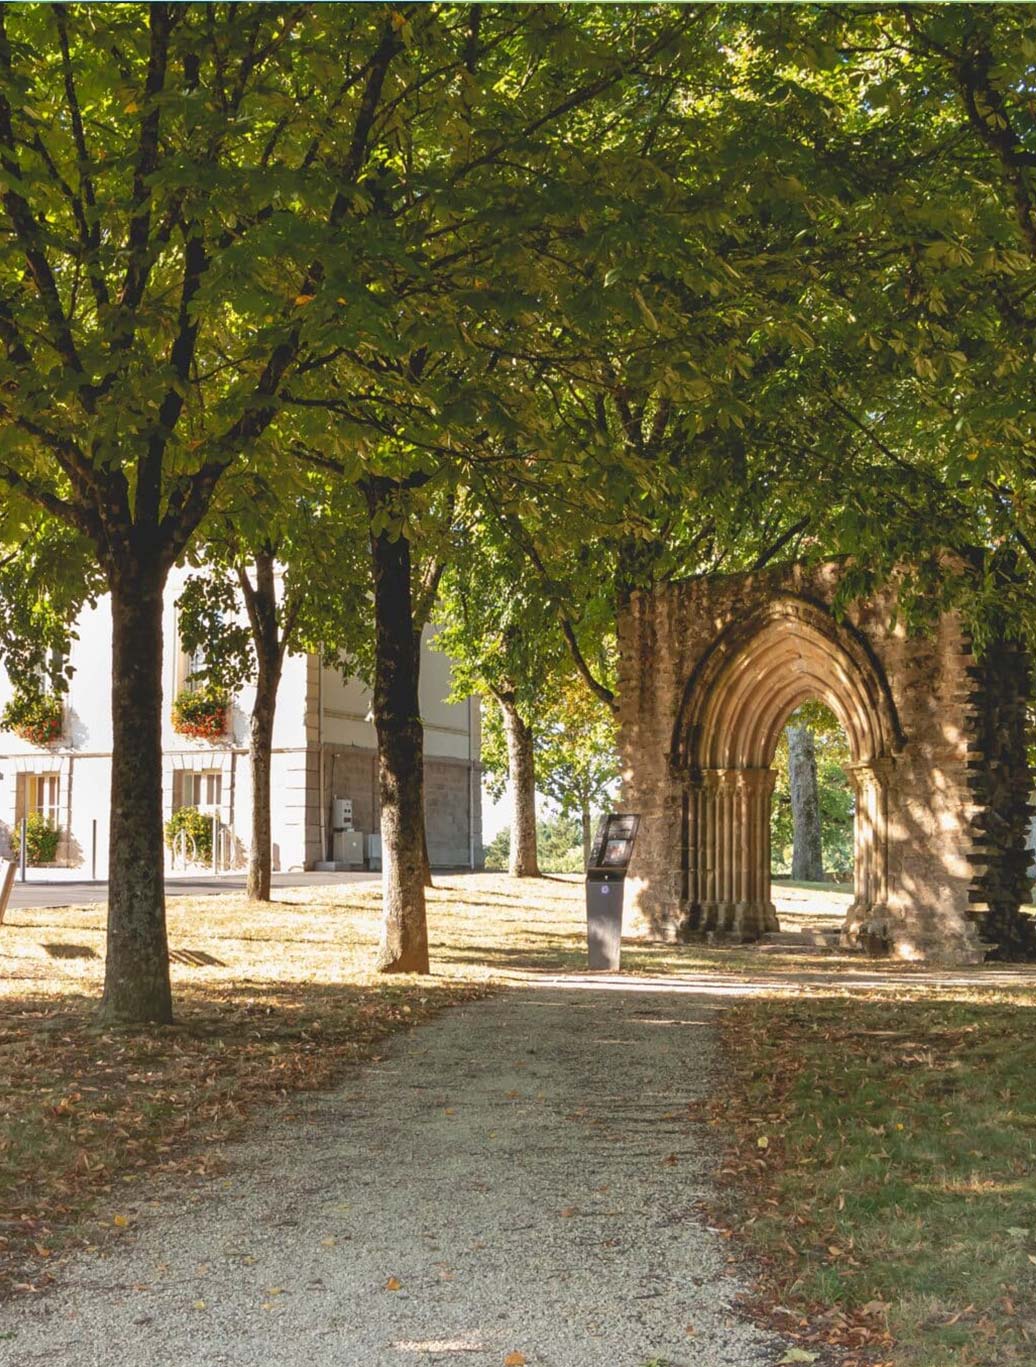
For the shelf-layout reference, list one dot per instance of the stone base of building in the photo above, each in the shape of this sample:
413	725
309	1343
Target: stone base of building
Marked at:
743	921
940	937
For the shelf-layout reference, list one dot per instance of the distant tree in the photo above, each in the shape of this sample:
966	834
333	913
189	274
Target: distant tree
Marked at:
274	577
576	759
834	802
807	858
558	841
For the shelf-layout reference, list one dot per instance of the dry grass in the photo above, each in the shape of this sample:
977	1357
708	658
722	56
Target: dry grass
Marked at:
270	1000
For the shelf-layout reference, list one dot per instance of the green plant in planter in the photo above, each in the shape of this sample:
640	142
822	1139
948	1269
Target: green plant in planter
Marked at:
41	840
201	713
198	828
36	717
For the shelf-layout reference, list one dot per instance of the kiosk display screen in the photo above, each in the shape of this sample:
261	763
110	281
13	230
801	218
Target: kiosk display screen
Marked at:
616	853
621	827
613	844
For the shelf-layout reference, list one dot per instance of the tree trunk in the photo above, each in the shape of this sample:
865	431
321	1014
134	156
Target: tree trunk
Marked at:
136	971
807	859
521	766
260	855
588	834
269	652
426	862
397	719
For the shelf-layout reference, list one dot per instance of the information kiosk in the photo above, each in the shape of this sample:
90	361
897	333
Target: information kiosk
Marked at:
605	875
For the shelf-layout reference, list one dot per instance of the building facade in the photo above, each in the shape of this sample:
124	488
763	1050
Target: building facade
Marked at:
324	748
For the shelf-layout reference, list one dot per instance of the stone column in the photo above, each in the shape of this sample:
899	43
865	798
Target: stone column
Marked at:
867	920
728	854
728	847
710	849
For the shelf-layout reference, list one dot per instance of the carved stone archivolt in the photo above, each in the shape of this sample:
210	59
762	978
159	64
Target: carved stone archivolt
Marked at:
734	707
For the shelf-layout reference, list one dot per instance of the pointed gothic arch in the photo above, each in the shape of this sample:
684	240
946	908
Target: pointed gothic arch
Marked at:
734	706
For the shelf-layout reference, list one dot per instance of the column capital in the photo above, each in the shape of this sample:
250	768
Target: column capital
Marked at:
878	769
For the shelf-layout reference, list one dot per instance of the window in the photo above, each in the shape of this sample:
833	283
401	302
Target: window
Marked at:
193	670
201	788
39	795
53	668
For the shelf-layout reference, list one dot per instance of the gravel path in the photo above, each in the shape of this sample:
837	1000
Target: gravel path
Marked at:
517	1178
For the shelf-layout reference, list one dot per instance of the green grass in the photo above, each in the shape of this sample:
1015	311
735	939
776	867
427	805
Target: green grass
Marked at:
898	1180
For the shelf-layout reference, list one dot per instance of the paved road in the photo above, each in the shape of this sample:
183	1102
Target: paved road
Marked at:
515	1182
66	893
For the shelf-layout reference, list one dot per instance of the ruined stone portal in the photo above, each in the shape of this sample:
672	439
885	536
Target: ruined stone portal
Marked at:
710	670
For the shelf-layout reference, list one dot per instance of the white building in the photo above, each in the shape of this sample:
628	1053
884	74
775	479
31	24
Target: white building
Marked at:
324	747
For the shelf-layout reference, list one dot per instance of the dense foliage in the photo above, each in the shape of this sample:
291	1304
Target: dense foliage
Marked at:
42	838
196	829
559	842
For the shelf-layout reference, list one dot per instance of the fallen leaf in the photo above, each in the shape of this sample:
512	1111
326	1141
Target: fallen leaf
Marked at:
514	1360
875	1308
393	1284
568	1212
199	1305
763	1142
330	1242
120	1221
301	299
797	1355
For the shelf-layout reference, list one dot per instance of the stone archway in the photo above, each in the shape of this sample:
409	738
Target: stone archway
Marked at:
734	707
710	669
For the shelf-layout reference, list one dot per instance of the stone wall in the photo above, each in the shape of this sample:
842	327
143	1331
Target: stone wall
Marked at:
710	670
452	801
1001	786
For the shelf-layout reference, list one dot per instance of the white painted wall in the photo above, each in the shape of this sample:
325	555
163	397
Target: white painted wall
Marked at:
315	705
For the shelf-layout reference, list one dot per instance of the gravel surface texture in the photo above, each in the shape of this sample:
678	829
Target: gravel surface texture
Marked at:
515	1180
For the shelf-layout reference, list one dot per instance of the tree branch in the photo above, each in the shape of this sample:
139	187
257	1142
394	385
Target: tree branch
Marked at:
25	226
66	512
181	354
90	230
138	265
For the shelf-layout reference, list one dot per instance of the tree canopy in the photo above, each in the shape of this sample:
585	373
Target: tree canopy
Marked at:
609	293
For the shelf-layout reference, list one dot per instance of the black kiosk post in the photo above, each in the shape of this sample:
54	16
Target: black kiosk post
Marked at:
605	875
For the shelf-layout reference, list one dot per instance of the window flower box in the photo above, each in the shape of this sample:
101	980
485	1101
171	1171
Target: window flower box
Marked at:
38	718
201	713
